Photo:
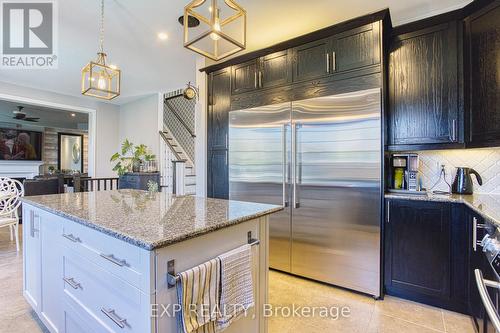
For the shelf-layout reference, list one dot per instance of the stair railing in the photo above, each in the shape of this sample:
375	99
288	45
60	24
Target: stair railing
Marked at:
173	169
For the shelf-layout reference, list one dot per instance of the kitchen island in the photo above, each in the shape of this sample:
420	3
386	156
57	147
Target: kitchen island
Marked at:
98	261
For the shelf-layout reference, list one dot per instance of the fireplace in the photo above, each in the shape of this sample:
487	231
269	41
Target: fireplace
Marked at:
20	169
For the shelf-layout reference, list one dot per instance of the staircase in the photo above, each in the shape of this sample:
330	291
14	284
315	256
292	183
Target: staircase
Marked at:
178	169
178	135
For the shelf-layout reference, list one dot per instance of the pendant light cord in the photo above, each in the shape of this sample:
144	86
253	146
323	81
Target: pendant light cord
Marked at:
101	35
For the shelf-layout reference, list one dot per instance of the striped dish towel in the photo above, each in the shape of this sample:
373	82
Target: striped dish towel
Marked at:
198	294
236	285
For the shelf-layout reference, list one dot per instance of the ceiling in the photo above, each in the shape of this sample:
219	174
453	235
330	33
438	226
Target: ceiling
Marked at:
150	65
48	117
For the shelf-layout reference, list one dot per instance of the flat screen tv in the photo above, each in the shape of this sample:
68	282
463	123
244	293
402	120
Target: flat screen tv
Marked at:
19	144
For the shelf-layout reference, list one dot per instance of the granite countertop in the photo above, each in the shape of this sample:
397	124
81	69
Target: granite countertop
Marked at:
147	220
486	205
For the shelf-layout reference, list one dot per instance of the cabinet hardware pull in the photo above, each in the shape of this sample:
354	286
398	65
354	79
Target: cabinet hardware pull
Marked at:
114	260
334	62
260	79
72	283
328	62
72	238
255	80
32	223
388	211
454	130
111	314
474	234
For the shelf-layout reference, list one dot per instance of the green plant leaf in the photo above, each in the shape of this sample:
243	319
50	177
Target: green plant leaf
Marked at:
114	157
127	146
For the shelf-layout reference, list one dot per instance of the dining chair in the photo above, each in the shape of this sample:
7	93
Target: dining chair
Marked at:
11	192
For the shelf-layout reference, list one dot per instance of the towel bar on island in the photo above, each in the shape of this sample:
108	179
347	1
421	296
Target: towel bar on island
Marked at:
172	278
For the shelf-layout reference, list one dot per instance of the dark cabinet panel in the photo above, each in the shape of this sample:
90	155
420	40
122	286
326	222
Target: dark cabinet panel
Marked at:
424	94
275	70
426	253
218	178
219	103
356	48
419	237
483	80
245	77
312	60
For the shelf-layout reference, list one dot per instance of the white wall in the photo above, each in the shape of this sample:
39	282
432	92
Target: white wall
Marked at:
139	122
108	118
105	125
200	159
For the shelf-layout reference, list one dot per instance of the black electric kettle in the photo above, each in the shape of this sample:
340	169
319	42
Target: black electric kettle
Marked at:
463	181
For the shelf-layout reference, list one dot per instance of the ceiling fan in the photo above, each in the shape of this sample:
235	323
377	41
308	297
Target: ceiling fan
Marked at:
19	114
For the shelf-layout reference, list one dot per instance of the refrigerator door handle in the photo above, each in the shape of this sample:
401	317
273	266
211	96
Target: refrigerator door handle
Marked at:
296	203
284	164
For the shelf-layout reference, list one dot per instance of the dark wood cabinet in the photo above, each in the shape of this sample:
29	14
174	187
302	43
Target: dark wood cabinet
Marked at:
275	70
245	76
482	40
356	48
218	177
425	259
424	96
312	60
219	102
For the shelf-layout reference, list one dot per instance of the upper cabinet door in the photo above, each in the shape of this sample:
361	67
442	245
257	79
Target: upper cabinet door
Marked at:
483	68
312	60
356	48
423	87
274	70
245	76
219	102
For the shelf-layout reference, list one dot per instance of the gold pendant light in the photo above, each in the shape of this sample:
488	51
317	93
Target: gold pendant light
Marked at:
98	79
222	30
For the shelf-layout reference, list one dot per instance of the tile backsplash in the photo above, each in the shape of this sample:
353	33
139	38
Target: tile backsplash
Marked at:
485	161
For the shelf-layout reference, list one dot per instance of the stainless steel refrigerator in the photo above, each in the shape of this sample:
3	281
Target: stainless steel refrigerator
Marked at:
321	159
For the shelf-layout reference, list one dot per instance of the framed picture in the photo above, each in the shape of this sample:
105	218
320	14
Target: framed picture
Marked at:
70	152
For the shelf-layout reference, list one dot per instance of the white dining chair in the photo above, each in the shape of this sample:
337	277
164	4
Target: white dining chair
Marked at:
11	192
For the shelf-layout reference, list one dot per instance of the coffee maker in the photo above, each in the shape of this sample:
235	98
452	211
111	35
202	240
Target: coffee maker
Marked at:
403	173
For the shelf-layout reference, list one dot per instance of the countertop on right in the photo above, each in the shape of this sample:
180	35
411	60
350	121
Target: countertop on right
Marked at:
486	205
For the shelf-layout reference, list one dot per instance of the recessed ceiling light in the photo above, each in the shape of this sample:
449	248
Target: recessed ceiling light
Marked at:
73	115
162	36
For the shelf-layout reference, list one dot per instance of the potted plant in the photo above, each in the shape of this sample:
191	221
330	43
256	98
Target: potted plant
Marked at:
131	157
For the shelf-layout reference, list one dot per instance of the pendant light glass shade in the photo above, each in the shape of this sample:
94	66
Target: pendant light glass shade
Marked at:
222	29
98	79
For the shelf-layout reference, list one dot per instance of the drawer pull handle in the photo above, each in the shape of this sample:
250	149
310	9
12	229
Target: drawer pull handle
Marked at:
72	283
114	260
111	314
72	238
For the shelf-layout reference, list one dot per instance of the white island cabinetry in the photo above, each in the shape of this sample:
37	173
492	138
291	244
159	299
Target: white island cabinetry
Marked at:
78	278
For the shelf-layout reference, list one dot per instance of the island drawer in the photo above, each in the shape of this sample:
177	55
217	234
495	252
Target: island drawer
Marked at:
117	305
131	263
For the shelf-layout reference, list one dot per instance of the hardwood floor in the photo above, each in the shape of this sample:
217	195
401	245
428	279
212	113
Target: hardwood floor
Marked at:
366	314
